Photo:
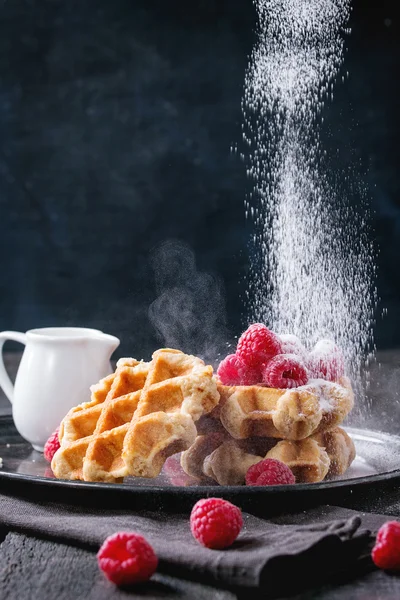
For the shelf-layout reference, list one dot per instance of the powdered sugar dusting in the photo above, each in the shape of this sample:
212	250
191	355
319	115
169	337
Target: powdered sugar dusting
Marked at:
327	391
292	345
324	348
312	268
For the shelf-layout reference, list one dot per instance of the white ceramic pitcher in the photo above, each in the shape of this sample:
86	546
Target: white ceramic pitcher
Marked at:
57	368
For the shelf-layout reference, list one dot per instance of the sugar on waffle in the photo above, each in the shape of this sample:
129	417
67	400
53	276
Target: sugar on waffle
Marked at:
293	414
226	460
136	418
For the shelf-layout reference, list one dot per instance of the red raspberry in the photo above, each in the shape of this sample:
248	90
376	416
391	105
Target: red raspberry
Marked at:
51	446
386	552
126	558
176	475
215	523
269	472
284	371
291	344
233	371
49	473
326	361
257	345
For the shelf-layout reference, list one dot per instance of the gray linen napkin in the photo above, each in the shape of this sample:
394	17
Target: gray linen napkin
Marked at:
33	569
264	551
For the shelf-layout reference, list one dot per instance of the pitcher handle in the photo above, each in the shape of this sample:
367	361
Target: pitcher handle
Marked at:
5	381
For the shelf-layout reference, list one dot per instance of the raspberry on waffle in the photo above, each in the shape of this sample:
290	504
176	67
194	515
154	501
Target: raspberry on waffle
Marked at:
258	344
285	371
137	417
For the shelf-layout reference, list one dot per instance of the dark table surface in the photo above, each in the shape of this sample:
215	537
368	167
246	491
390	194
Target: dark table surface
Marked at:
384	414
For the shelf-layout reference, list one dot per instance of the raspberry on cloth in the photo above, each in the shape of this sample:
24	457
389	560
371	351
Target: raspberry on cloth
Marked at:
215	522
126	558
386	552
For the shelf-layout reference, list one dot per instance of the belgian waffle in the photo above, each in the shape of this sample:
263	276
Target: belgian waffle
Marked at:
136	418
293	414
178	391
226	460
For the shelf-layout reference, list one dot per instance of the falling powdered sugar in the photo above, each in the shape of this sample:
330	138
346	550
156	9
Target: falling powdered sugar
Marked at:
312	266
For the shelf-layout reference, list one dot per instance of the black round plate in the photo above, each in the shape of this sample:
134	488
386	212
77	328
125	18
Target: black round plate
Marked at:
25	471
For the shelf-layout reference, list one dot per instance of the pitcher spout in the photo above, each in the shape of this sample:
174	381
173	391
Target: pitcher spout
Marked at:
108	343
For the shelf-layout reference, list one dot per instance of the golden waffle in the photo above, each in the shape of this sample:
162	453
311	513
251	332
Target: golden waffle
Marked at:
308	461
178	391
192	459
209	424
294	414
81	424
106	417
226	460
340	448
228	464
137	417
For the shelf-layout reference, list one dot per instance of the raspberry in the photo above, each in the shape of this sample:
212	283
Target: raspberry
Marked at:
291	344
269	472
326	361
175	474
49	473
284	371
215	523
51	446
126	558
257	345
386	552
233	371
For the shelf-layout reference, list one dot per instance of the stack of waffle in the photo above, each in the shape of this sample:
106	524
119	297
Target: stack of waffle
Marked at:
147	411
299	427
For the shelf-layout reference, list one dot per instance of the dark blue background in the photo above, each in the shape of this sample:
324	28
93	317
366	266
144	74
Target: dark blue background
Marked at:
116	122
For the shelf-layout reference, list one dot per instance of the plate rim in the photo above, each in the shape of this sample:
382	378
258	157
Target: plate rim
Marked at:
237	490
